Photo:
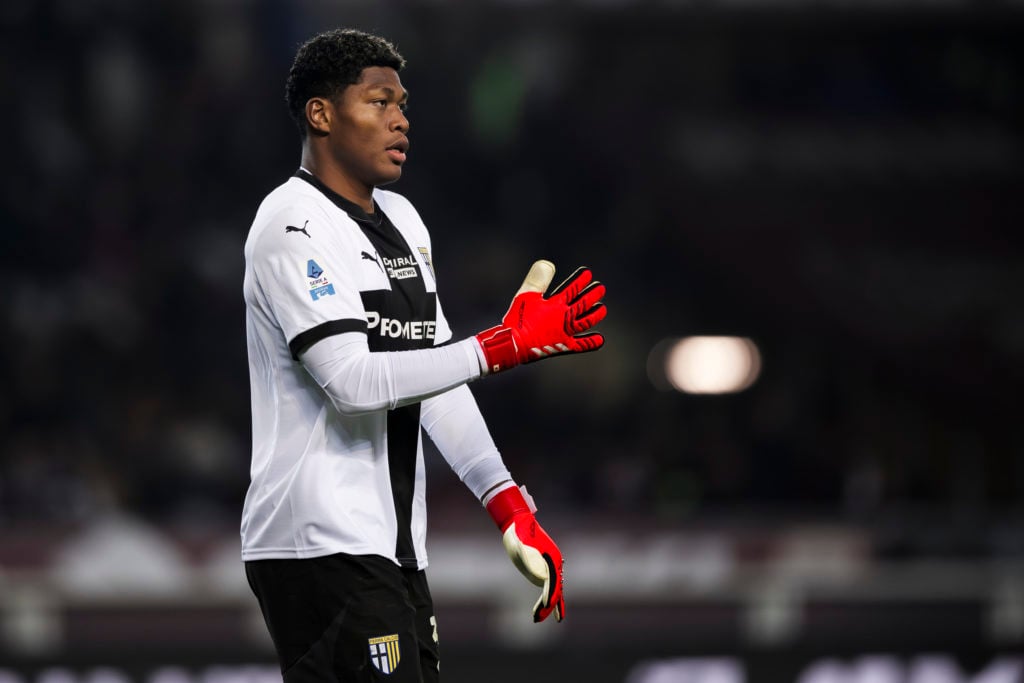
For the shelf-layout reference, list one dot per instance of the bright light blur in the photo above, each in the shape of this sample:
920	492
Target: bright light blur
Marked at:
712	365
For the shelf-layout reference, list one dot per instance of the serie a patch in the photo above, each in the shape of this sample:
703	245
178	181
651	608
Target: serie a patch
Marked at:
319	285
385	653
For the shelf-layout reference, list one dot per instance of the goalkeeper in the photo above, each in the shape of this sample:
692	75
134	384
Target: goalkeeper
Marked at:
350	359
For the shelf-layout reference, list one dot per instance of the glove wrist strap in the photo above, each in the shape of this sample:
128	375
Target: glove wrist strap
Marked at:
506	505
499	348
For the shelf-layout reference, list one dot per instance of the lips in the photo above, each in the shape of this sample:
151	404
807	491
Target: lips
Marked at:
398	149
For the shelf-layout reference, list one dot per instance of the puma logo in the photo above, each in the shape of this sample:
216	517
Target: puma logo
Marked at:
367	257
292	228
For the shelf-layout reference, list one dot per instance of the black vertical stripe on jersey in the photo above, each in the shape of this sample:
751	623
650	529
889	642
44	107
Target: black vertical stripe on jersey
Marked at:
408	301
403	434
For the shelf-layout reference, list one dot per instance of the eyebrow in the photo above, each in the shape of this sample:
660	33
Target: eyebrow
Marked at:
390	91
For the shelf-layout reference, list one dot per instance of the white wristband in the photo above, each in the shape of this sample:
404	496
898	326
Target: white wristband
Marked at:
489	496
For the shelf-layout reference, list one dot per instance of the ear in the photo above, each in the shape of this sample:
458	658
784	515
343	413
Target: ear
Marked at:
319	115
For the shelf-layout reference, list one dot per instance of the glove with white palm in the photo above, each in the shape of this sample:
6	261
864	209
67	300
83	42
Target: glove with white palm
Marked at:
531	550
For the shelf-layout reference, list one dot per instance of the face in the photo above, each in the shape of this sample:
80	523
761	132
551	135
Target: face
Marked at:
368	130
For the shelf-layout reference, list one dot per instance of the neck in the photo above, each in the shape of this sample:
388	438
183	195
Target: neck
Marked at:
333	176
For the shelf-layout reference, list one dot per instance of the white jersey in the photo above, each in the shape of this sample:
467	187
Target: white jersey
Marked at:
323	482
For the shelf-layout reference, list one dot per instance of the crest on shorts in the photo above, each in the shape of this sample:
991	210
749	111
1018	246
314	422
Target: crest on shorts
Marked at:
385	653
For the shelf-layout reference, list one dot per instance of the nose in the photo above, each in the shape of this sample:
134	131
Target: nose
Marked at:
400	122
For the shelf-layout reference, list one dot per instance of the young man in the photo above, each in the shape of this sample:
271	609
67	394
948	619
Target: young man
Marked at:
348	359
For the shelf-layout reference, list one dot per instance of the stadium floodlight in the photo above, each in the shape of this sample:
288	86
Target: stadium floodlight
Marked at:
711	364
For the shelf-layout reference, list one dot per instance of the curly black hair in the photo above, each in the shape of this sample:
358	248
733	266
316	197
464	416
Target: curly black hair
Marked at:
329	62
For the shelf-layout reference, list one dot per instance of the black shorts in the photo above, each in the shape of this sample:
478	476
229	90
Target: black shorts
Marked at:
345	618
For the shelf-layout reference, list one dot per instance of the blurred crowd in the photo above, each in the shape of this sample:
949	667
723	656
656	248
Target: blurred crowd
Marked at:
841	187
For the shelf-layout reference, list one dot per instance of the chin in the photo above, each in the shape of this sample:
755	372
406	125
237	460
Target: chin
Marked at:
387	179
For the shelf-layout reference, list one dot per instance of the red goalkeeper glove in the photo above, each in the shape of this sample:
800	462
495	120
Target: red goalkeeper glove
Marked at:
532	551
538	326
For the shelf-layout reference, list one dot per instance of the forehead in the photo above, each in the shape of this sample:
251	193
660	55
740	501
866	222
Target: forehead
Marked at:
379	77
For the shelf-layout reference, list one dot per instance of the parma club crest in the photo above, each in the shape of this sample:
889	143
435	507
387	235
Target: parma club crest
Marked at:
385	653
426	258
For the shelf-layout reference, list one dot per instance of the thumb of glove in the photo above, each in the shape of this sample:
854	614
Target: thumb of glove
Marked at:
539	277
527	559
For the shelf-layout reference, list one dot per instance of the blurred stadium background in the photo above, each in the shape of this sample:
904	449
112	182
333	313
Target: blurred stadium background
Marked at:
838	181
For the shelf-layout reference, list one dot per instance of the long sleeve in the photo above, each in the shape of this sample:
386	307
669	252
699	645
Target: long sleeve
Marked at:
360	381
455	425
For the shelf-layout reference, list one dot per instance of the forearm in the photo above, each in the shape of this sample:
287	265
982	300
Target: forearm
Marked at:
359	381
455	425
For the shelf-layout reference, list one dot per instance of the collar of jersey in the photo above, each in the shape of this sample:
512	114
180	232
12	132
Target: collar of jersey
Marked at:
354	211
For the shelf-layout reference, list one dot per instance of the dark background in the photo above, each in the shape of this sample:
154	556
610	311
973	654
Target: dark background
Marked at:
840	182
